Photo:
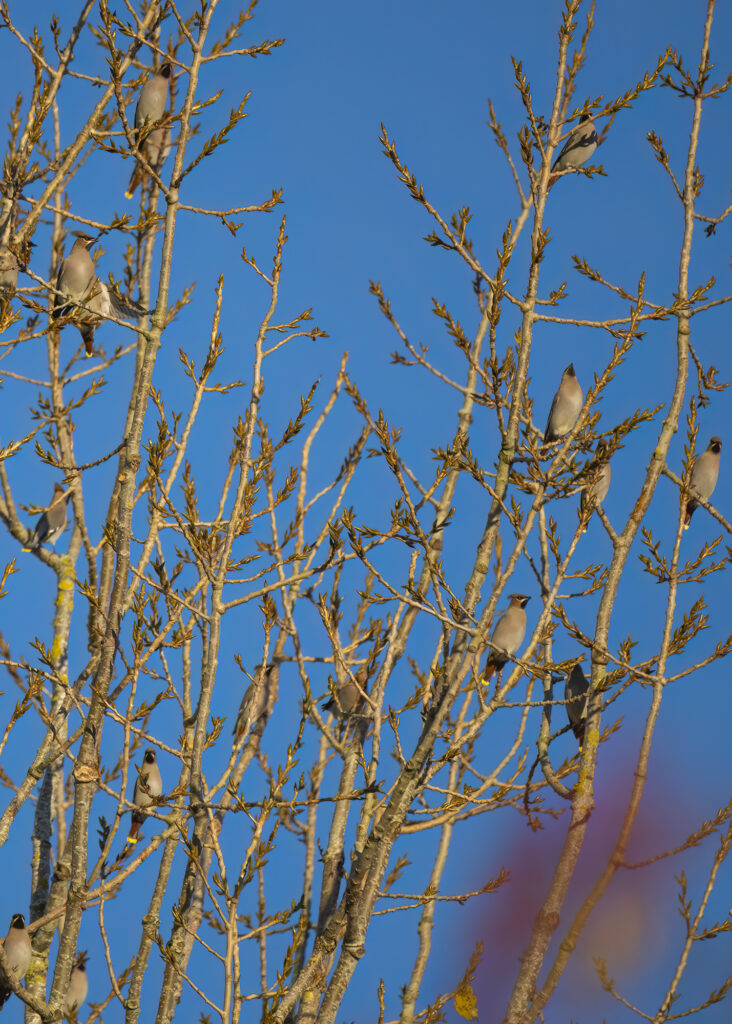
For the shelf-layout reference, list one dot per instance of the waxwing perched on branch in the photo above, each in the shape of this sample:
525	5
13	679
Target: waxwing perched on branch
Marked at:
153	142
507	636
75	275
348	697
85	296
577	149
17	946
8	271
704	477
148	785
576	689
565	408
52	523
255	701
78	986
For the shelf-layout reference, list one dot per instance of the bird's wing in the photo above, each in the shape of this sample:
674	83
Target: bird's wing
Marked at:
123	309
578	139
555	401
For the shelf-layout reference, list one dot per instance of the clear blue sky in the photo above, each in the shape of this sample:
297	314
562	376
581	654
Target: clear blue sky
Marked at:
427	70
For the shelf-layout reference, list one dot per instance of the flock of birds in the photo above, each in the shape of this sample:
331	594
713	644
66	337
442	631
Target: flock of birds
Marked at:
81	298
18	952
510	629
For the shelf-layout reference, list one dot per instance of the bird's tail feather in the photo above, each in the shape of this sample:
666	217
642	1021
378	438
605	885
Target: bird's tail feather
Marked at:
490	668
135	827
134	182
87	333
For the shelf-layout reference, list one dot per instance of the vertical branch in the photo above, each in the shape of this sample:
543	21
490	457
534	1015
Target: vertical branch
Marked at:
304	921
427	917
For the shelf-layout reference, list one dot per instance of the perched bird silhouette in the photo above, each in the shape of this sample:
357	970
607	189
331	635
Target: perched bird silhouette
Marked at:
255	700
579	146
84	296
148	785
565	408
51	523
507	636
595	493
575	694
704	477
8	271
78	986
17	946
348	698
154	143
